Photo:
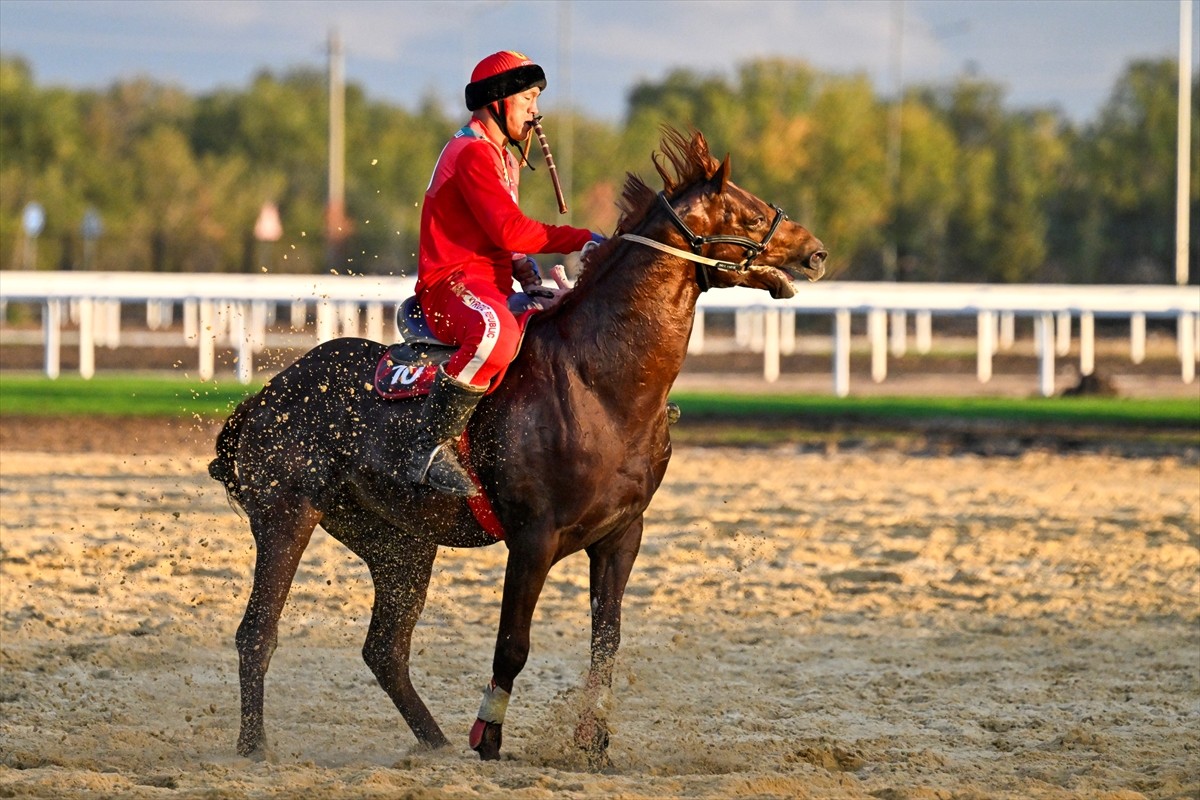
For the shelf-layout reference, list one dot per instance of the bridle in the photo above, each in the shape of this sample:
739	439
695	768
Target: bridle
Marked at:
752	248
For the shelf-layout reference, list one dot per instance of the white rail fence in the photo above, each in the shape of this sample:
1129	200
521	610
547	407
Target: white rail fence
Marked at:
238	309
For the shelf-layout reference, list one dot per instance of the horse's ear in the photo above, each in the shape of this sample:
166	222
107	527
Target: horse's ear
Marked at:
668	181
722	174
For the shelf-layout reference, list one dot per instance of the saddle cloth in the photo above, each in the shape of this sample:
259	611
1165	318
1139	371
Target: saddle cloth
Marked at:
407	370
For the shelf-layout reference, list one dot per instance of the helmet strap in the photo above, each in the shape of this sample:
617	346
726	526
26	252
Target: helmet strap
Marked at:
499	111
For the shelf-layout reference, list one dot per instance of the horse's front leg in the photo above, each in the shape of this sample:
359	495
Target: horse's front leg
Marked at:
524	577
611	562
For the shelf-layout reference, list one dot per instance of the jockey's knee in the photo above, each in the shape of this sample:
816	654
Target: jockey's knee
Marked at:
504	348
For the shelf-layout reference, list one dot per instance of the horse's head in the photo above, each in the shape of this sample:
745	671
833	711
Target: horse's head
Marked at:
735	238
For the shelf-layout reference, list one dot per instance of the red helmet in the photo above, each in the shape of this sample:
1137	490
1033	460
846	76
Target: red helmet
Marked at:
501	75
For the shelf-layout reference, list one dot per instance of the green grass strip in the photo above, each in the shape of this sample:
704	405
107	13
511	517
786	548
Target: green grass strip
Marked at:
1156	412
140	395
118	395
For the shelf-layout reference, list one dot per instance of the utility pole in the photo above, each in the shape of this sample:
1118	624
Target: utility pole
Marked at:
1183	147
895	121
566	147
336	224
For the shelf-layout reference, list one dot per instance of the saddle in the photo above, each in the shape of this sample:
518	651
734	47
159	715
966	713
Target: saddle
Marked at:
407	368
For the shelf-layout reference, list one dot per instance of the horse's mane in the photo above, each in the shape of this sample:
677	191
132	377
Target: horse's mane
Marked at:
690	162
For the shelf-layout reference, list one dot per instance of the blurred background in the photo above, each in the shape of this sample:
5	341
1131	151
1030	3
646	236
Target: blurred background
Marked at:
922	140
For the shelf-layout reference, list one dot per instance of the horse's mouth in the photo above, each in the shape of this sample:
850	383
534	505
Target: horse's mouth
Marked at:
811	268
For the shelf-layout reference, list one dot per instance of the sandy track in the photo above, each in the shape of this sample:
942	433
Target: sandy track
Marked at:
845	625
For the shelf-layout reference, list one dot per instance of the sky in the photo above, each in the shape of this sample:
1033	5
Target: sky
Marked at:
1064	54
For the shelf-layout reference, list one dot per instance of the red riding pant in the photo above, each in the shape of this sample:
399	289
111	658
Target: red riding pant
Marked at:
472	312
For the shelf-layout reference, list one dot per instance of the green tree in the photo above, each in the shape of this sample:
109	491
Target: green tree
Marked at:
928	191
1128	156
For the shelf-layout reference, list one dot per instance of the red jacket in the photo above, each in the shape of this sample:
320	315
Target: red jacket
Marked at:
470	221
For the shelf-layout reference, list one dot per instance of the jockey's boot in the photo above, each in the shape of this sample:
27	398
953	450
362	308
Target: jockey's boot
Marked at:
443	419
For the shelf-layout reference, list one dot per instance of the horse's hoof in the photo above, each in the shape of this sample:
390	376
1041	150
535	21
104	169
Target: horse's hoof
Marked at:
599	762
485	740
591	736
433	742
252	747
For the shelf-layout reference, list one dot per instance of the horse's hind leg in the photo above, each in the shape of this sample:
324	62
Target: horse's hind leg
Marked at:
281	530
400	569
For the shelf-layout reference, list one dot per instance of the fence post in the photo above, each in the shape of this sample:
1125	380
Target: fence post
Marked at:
299	315
1137	338
348	318
771	345
1008	330
207	344
1044	333
243	336
87	337
924	332
1187	346
877	334
325	321
985	346
1087	343
841	352
1062	342
52	336
190	323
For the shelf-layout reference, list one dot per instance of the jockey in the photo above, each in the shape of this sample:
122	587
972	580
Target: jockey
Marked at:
472	244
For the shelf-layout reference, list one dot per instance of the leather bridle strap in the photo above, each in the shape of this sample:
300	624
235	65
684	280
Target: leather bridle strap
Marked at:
753	249
696	241
684	254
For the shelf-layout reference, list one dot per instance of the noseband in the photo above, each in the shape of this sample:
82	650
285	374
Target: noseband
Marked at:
696	242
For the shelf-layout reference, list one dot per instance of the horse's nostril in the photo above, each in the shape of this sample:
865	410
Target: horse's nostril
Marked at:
818	258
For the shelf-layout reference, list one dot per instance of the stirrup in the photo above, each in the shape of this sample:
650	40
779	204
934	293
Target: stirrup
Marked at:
452	478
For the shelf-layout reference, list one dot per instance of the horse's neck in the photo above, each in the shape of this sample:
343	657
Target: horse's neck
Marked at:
631	322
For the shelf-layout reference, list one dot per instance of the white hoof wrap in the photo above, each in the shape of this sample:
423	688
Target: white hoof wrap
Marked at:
495	703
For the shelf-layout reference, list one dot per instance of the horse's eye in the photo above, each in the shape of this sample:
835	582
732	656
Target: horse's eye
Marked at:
757	223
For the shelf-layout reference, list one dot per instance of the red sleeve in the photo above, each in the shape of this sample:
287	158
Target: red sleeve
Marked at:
481	182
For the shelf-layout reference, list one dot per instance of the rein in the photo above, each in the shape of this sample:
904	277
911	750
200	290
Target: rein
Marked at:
696	241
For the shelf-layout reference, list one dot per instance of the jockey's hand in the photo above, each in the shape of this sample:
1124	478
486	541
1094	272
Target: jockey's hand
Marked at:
539	299
526	271
591	244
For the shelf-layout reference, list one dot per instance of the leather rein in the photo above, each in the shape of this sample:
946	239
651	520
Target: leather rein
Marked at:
752	248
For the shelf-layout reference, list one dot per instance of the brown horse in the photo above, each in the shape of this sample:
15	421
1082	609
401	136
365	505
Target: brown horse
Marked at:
570	448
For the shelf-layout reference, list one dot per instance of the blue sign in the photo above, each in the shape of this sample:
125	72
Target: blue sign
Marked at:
33	219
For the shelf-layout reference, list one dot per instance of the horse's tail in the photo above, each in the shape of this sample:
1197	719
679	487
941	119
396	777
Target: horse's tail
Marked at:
223	468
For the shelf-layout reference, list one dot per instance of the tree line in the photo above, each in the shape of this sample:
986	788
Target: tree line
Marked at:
948	185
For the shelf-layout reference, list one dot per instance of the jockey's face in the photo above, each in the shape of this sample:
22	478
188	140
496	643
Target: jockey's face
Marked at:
522	108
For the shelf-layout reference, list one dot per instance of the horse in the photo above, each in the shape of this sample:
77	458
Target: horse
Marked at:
569	448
